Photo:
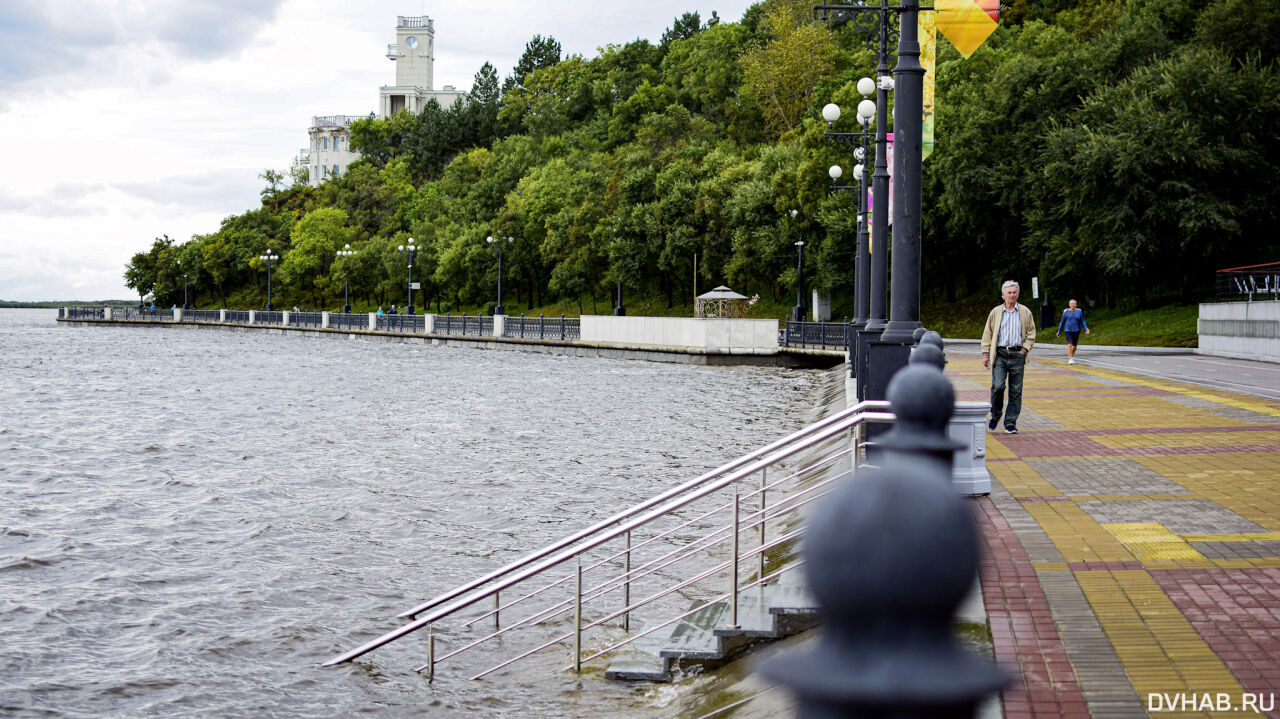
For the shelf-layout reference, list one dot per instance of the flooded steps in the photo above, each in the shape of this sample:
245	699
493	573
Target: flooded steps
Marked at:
707	639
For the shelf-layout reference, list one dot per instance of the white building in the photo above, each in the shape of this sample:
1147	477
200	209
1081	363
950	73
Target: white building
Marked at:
330	152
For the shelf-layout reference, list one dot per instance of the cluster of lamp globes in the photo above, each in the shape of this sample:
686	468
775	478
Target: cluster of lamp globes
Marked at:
866	111
269	257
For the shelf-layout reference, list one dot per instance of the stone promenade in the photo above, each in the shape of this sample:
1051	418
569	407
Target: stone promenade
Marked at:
1132	544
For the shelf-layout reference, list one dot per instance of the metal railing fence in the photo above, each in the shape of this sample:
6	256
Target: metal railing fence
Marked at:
202	315
1249	283
156	316
348	321
306	319
822	335
85	313
264	317
708	540
239	317
556	328
464	324
410	324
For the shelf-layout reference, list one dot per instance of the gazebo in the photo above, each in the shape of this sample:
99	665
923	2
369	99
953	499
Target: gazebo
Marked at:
720	302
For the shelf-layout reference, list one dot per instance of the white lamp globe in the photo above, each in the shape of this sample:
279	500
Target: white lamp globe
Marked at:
867	108
866	86
857	172
835	172
831	112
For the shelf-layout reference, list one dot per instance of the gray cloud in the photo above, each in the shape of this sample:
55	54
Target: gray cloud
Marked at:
37	43
230	191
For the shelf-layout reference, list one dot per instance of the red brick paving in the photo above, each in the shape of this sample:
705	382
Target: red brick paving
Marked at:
1023	632
1237	612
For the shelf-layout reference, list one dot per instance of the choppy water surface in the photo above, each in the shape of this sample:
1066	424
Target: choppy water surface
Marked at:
192	520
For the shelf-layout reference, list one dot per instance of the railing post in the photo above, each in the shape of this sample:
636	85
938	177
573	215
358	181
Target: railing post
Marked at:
733	569
521	325
764	482
540	319
431	653
497	603
562	326
626	586
577	617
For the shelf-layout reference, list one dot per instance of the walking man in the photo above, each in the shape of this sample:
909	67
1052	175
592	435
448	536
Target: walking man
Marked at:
1072	322
1011	327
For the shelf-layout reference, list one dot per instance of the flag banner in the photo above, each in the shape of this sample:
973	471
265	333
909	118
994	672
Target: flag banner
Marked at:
967	23
929	59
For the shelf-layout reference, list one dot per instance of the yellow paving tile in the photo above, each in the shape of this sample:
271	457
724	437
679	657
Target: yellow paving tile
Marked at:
1160	650
1231	400
997	450
1247	483
1186	439
1151	540
1077	535
1020	480
1255	537
1127	413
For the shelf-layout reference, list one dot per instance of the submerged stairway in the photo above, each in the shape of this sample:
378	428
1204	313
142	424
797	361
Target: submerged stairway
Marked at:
708	638
682	582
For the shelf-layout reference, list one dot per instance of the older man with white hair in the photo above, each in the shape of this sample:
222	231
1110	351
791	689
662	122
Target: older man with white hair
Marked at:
1013	330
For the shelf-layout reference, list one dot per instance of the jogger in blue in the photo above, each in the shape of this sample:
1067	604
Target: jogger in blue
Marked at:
1072	322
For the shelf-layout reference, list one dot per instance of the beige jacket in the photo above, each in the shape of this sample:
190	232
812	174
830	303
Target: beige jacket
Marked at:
990	332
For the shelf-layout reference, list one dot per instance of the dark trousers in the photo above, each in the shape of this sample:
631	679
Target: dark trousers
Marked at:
1007	365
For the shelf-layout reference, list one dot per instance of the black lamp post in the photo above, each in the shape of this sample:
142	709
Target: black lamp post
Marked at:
184	287
797	313
498	309
862	257
269	259
409	251
346	251
619	310
876	24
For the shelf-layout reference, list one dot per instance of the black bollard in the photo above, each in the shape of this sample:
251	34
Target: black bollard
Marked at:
916	334
932	338
923	401
889	556
930	355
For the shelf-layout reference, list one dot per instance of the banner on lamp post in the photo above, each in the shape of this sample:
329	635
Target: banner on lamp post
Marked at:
928	25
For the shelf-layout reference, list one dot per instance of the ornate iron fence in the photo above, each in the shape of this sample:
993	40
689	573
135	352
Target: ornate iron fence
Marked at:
306	319
541	328
85	313
202	315
268	318
344	321
476	325
239	317
409	324
1250	282
821	335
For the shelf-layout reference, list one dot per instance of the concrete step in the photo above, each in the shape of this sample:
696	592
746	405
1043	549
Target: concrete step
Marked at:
706	639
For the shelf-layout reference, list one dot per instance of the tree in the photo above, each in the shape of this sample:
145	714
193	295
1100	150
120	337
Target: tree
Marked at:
683	28
274	179
783	72
316	239
539	52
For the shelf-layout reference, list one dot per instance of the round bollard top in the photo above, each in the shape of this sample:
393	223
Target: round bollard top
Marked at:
923	401
932	338
916	334
889	556
928	354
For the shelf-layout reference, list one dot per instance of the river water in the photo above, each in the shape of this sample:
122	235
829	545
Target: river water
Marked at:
193	520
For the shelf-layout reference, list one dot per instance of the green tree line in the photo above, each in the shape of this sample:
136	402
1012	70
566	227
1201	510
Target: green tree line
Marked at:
1121	149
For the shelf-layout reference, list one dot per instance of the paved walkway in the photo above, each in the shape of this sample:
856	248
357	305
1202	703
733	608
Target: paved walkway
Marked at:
1133	545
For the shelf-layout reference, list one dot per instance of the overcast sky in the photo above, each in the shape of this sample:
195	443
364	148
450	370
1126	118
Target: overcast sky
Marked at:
122	121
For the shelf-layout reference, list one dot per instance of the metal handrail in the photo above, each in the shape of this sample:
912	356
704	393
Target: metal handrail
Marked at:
622	524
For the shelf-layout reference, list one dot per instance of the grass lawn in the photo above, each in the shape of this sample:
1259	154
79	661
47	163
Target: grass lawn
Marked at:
1169	326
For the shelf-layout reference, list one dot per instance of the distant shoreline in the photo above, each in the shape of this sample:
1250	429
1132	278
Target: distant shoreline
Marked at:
55	304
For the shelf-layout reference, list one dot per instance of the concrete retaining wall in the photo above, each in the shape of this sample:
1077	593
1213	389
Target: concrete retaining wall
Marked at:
732	336
1244	330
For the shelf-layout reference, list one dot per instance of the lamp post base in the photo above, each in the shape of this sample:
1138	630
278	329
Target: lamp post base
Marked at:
619	311
797	314
410	308
498	311
346	309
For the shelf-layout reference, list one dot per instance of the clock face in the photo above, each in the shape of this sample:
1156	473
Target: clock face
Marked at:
412	42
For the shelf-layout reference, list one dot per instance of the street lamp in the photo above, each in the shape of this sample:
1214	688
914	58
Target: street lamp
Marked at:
498	310
863	256
409	251
270	259
346	251
184	287
797	314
